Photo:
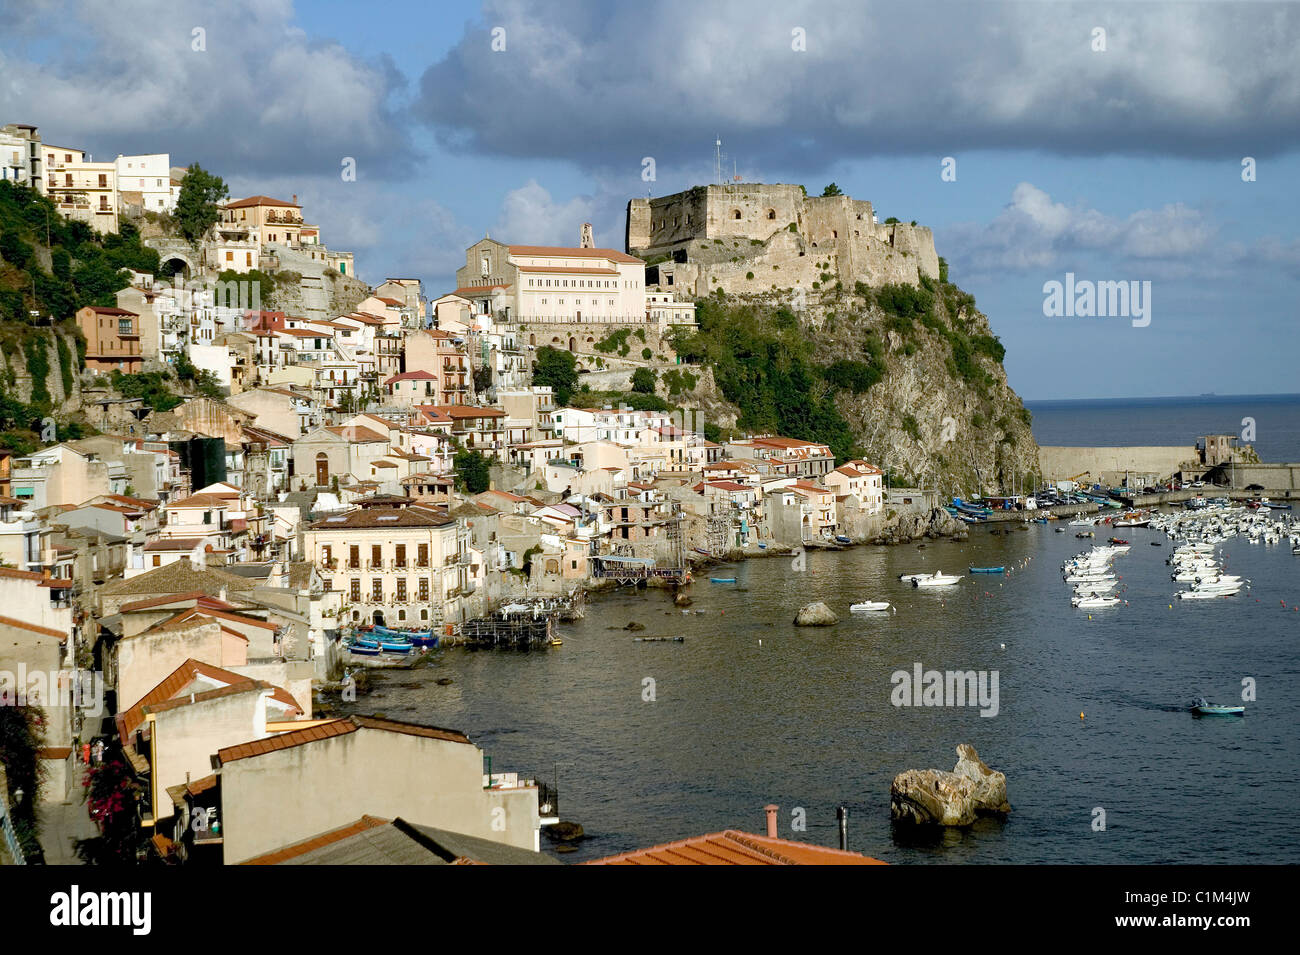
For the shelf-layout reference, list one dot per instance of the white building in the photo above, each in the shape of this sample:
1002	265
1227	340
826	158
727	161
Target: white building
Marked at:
150	176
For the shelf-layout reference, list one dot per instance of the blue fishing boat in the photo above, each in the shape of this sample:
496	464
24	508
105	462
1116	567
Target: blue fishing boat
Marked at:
843	540
1203	708
387	646
723	580
988	570
363	651
419	638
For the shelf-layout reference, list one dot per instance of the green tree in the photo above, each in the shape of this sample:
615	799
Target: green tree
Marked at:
472	474
832	190
196	206
643	381
557	369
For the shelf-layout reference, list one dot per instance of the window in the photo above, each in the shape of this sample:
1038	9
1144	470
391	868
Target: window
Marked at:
401	555
103	181
377	590
354	559
376	555
355	592
424	588
401	590
422	555
230	256
735	214
157	560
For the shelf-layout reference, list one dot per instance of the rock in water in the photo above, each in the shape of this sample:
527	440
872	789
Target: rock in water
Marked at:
990	785
635	626
682	600
932	797
935	797
815	615
564	832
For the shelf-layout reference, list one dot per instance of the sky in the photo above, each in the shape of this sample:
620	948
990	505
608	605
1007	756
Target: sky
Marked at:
1137	142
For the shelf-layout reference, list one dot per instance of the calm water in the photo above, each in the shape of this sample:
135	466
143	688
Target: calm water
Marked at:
752	710
1171	421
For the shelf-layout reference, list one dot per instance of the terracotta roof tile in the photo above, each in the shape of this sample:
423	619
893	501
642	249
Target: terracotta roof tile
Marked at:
732	847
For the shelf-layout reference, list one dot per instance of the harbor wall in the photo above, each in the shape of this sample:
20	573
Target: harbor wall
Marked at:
1104	464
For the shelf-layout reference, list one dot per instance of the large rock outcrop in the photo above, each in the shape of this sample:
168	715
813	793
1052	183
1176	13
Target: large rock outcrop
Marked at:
957	798
918	525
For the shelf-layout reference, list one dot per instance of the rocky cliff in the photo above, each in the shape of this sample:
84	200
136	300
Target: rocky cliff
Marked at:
910	377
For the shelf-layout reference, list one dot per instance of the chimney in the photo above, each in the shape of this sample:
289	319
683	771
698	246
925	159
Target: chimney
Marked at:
295	198
771	810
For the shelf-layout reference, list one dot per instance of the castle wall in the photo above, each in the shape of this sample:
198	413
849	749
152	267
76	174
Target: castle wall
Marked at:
727	233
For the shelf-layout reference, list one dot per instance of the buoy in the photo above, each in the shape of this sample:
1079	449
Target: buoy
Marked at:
1004	646
1171	606
1080	716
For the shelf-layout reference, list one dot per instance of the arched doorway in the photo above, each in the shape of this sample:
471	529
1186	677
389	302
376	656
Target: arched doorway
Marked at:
573	344
322	469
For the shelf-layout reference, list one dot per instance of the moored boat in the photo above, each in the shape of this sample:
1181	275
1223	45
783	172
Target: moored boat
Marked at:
988	570
1204	708
869	605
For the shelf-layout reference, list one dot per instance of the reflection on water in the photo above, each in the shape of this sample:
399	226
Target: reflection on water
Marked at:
751	710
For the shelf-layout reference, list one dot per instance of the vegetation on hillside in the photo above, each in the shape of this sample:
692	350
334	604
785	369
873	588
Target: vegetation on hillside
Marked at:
196	205
763	362
558	369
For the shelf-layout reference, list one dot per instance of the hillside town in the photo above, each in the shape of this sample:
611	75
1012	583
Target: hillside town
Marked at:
371	474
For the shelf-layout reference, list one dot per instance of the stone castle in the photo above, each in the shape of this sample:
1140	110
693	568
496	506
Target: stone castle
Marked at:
754	238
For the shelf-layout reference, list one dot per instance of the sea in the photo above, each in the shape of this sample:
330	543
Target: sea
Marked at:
1271	423
652	742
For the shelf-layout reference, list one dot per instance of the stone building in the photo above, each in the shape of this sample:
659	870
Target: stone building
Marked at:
752	237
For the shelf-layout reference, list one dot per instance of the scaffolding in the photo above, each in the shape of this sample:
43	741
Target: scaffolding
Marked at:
515	626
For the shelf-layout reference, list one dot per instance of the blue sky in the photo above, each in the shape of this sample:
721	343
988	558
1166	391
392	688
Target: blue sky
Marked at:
1121	163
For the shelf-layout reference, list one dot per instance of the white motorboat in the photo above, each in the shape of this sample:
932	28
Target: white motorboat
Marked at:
908	578
1203	594
1089	603
936	580
869	606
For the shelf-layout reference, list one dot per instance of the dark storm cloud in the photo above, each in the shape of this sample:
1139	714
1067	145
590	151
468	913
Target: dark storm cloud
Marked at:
606	84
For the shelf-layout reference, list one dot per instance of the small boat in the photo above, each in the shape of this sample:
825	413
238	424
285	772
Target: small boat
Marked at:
1203	708
363	651
908	578
1203	594
1090	603
988	570
701	550
723	580
936	580
869	605
843	540
1087	534
1118	540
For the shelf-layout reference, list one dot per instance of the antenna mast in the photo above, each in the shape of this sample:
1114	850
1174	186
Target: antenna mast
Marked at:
717	161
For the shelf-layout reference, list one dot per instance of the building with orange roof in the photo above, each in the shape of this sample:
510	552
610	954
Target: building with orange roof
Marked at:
171	733
580	284
733	847
291	787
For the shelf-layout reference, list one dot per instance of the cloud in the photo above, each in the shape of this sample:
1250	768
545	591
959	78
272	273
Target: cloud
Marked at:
1033	231
259	96
605	84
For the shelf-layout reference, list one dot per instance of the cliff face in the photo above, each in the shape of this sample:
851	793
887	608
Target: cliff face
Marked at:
911	377
942	414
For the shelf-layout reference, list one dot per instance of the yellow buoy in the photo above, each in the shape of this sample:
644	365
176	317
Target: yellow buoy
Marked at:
1080	716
